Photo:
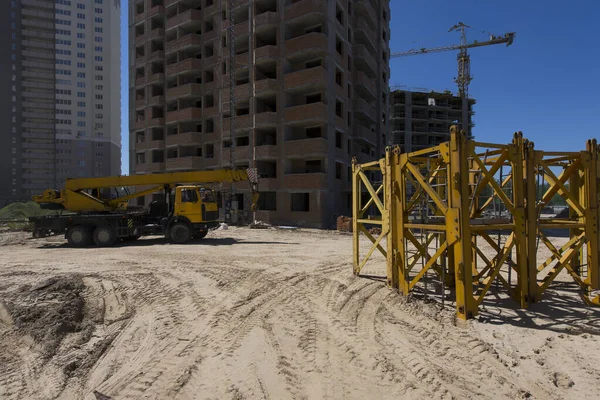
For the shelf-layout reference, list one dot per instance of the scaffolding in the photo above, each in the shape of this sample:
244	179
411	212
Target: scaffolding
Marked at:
467	215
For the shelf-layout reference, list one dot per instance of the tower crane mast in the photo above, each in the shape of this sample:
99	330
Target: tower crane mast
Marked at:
464	78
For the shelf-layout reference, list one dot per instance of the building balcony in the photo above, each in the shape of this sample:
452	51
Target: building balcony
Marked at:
210	111
182	163
364	86
266	119
241	122
266	86
189	40
141	103
315	180
155	144
305	7
139	124
139	18
140	81
306	79
364	34
187	114
241	29
157	33
364	133
140	39
38	4
267	184
150	167
189	65
156	55
183	91
140	61
306	46
306	114
157	78
266	152
266	53
37	14
157	101
160	9
242	153
188	16
305	147
365	10
365	61
184	139
364	110
266	20
241	92
154	122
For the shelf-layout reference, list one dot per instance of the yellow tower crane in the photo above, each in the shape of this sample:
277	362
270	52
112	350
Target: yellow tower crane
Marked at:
464	61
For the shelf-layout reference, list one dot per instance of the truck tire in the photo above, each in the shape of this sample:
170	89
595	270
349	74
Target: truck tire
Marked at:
104	236
180	232
78	236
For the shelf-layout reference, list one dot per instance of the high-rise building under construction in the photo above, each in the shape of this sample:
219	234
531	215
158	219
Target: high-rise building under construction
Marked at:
422	119
311	92
60	79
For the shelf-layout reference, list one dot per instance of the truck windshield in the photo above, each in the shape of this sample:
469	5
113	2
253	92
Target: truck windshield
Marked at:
207	196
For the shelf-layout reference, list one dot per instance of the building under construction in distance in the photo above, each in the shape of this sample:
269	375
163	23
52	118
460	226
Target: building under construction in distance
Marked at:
422	119
311	92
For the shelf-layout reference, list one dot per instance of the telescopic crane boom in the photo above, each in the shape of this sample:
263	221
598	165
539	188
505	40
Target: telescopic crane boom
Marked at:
464	77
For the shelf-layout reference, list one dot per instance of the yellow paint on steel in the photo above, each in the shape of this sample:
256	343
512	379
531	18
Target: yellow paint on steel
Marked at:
443	185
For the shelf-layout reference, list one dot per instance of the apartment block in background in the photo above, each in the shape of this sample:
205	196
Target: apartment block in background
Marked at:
311	92
60	75
423	119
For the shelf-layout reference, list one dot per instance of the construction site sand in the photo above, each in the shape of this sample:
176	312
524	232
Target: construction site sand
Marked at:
249	314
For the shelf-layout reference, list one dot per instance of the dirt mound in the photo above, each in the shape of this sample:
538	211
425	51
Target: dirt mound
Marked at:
23	211
49	310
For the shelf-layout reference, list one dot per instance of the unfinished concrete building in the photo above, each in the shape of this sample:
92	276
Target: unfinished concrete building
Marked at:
422	119
311	92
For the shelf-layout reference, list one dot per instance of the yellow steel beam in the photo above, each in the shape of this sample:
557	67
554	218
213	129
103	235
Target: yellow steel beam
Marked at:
562	262
421	180
371	221
494	272
428	265
561	189
371	191
499	192
491	172
366	207
592	217
376	245
356	208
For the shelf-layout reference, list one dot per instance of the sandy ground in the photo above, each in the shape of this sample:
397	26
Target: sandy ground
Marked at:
250	314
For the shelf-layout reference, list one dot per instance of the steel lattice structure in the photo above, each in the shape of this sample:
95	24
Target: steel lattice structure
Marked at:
437	207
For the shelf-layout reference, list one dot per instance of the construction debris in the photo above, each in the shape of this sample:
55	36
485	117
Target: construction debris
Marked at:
344	224
375	231
260	225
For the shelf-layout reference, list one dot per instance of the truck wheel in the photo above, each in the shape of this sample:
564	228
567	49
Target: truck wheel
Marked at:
104	236
78	236
180	232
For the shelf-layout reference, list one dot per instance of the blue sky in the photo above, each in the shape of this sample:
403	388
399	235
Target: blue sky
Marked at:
546	84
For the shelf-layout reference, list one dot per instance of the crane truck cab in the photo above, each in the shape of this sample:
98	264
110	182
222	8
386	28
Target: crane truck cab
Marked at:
194	212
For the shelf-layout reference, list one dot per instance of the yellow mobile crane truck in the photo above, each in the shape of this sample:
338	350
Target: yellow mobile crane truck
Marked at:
187	211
